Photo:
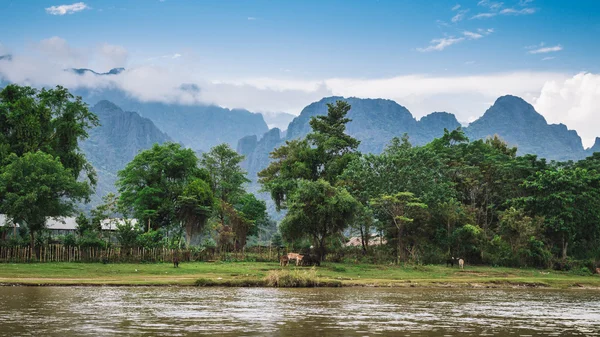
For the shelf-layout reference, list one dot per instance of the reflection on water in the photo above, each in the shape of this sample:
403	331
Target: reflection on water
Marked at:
105	311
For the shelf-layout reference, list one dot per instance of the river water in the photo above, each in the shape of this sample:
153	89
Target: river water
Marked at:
164	311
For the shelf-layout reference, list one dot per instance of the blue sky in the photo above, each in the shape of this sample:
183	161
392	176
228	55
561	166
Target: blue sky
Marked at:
456	56
318	39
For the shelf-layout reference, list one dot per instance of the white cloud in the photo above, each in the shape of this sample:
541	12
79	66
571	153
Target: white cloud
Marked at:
544	50
459	16
441	44
67	9
573	101
56	50
548	58
493	5
111	56
176	56
456	7
567	98
471	35
512	11
483	15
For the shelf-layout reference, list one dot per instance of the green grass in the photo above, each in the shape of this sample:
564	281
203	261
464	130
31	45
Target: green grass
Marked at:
255	274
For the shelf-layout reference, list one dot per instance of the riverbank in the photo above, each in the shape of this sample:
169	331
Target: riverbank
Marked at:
255	274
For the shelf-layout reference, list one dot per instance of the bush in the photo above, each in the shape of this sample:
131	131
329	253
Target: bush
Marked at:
91	239
292	279
69	240
150	239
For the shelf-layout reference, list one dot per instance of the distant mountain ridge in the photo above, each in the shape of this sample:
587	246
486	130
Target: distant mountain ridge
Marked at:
376	121
119	138
81	71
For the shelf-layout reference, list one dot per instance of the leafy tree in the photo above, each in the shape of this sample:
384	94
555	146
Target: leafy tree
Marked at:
226	176
316	211
398	209
251	214
323	154
153	182
311	168
52	121
568	199
40	158
36	186
194	207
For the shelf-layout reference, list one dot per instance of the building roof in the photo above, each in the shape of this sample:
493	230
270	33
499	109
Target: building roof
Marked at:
375	240
70	223
111	223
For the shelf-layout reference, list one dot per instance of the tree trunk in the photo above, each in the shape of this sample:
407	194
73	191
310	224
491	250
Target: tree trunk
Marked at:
565	245
362	239
398	246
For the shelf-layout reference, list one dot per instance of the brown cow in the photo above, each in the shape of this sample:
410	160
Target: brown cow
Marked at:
461	263
175	262
295	256
284	260
598	271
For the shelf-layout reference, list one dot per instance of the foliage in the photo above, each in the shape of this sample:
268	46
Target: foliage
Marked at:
316	211
303	178
36	186
40	158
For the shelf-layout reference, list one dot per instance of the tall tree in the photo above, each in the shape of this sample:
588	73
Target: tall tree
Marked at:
40	133
36	186
52	121
318	210
311	168
194	207
569	200
159	184
226	175
399	209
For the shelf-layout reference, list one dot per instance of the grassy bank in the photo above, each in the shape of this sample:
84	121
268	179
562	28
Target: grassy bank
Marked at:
263	274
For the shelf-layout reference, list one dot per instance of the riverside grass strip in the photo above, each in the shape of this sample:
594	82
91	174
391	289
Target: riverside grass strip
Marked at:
254	274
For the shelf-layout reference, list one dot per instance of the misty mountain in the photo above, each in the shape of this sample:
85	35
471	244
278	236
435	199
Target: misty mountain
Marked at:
279	120
517	122
376	121
199	127
82	71
116	142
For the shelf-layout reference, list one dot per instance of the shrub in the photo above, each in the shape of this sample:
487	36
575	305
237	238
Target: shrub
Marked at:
292	279
91	239
150	239
69	240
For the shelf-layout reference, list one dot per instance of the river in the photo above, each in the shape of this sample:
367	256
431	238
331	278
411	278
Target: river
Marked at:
165	311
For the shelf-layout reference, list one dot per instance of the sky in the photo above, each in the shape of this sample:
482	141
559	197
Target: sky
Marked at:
440	55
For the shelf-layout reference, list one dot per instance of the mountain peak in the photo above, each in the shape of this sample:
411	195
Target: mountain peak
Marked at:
82	71
105	105
511	110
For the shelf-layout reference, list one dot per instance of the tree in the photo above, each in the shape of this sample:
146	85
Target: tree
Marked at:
153	185
323	154
568	199
36	186
226	176
251	214
194	207
52	121
398	208
311	167
40	158
316	211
